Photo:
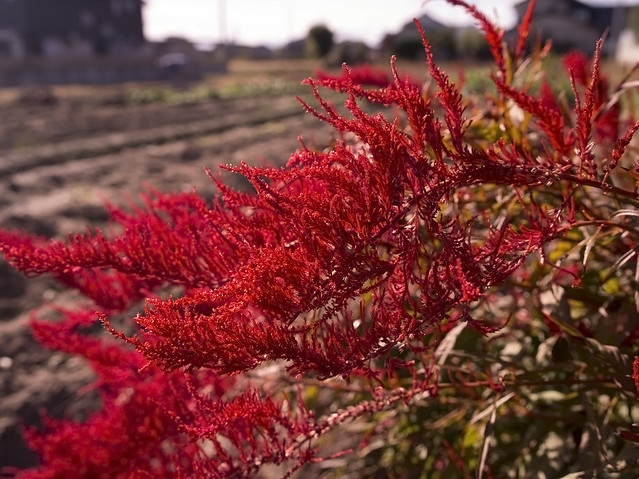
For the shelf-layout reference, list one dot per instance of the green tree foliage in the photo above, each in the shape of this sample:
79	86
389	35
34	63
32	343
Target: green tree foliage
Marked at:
632	20
353	53
319	41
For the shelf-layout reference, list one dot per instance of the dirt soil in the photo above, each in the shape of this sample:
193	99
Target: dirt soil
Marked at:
59	155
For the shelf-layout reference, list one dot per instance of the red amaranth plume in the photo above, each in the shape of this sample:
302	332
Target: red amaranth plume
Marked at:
153	424
359	75
274	276
577	65
341	264
548	116
523	30
596	113
193	252
585	113
494	35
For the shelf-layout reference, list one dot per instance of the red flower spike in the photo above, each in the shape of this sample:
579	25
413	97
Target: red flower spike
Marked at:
494	36
339	265
576	64
523	30
604	117
620	148
548	116
359	75
585	115
152	423
449	96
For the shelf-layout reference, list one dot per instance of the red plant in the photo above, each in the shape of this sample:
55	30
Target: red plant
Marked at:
341	264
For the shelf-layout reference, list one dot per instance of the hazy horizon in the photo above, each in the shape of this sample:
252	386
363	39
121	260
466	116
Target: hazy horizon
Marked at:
274	23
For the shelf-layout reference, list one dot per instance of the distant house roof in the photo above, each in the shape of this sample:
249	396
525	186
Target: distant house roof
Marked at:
407	42
427	23
571	24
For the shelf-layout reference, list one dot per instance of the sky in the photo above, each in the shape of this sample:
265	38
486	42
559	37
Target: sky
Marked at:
275	22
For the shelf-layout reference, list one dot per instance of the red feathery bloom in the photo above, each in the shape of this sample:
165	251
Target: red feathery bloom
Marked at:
342	258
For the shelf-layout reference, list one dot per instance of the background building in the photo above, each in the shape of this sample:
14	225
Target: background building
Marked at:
570	24
70	28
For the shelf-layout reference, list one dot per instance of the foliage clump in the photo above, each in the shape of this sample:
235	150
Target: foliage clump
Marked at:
319	41
456	281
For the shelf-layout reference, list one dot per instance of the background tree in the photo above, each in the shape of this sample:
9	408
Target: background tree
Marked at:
353	53
632	20
319	41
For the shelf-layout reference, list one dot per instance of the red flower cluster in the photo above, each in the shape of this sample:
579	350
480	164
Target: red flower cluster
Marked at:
339	263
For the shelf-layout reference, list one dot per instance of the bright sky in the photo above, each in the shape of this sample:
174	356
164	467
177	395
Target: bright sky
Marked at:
275	22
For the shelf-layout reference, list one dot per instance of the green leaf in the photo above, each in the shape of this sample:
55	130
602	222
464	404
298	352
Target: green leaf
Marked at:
472	436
